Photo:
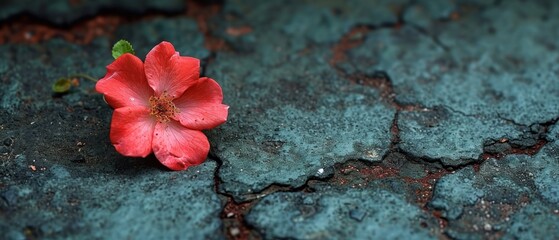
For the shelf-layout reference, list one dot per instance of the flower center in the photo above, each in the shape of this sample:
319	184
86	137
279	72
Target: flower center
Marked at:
162	107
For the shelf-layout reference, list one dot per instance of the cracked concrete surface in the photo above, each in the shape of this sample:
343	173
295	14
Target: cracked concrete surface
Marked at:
392	119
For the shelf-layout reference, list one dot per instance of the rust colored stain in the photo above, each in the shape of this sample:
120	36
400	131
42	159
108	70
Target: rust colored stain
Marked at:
379	172
233	219
75	2
395	130
425	192
359	175
476	166
348	169
202	13
442	222
239	31
379	81
369	173
530	151
454	16
352	39
26	30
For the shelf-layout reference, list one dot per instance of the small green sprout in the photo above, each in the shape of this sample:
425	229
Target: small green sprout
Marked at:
62	85
122	47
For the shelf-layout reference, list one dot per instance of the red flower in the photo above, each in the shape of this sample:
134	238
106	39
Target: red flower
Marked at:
162	105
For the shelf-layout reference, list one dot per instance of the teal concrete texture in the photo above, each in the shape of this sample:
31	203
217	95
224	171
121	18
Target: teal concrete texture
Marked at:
331	214
279	83
451	137
516	195
359	119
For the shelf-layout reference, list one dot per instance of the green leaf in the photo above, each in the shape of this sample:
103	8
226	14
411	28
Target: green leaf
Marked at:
122	47
62	85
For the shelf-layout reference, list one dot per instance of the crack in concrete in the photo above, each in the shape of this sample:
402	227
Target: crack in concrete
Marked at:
380	79
202	12
232	213
435	39
25	28
538	133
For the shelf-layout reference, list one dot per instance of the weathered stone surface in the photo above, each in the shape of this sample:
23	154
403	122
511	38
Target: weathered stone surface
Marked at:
352	213
473	70
451	137
424	13
499	77
402	157
534	222
30	71
60	201
182	32
454	191
498	196
553	134
291	113
314	21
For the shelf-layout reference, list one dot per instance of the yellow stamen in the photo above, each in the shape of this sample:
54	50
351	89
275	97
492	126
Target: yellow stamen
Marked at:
162	107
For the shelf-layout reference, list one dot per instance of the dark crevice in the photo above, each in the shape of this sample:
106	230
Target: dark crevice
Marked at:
433	37
205	62
459	112
352	172
233	218
532	142
512	121
233	213
395	131
443	222
379	79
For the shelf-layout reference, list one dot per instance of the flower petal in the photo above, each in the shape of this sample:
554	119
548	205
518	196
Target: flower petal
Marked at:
200	105
166	71
132	131
125	83
178	147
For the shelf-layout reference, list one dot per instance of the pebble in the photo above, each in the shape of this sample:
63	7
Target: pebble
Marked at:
235	231
487	227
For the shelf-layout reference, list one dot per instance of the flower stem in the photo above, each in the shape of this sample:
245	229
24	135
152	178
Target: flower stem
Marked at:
83	75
